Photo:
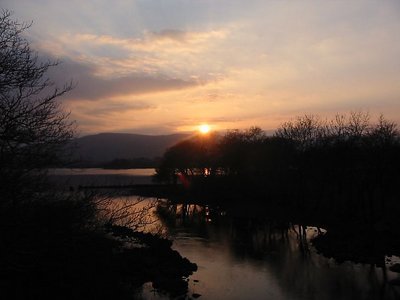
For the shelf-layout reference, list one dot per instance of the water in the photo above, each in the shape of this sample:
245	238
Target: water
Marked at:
229	270
101	177
99	171
256	259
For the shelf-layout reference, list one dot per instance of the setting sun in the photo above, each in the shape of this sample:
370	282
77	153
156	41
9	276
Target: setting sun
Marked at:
204	128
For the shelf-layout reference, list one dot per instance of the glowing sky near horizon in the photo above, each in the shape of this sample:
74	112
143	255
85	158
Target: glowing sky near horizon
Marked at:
157	67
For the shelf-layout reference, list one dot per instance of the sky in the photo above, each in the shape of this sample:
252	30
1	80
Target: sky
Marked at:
166	66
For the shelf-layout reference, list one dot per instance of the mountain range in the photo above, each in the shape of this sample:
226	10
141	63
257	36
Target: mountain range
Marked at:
105	147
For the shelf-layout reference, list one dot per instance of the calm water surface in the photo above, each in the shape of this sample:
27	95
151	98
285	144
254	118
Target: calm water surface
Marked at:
101	177
255	259
99	171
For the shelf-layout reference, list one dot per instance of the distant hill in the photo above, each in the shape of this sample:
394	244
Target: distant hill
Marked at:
105	147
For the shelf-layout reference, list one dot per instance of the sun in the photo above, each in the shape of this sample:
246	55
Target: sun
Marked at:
204	128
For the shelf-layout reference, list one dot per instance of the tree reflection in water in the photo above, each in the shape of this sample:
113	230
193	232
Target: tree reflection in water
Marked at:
242	257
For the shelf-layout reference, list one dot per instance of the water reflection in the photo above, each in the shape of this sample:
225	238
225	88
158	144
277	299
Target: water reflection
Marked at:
136	212
100	171
249	258
245	258
100	177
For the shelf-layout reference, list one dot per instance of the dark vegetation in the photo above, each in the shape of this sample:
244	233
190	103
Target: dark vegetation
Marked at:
340	174
56	244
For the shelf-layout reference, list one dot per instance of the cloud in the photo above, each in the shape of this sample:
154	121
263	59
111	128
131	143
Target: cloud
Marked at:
94	88
189	38
108	67
110	115
173	53
150	40
116	107
89	86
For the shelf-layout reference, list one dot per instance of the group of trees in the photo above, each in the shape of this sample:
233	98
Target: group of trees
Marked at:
337	141
211	154
356	128
340	164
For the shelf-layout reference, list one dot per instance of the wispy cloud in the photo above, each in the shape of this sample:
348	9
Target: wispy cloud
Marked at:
166	52
89	86
116	107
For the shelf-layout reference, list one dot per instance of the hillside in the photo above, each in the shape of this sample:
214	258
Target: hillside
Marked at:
105	147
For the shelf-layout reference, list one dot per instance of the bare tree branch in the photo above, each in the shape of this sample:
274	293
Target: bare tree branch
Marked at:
34	128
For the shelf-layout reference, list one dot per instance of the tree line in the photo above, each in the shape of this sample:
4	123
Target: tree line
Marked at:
348	165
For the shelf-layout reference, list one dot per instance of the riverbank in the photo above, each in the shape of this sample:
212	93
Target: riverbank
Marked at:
61	246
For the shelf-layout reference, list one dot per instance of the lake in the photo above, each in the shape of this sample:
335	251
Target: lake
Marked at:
245	258
101	177
99	171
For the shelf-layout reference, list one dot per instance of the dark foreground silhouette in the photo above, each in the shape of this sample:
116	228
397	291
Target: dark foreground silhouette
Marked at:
56	250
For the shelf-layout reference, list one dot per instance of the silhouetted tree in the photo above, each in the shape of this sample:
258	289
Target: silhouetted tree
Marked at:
346	165
305	131
33	126
191	157
239	151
